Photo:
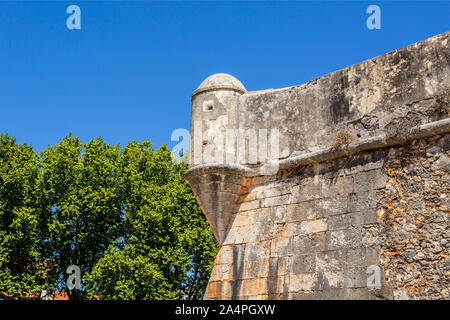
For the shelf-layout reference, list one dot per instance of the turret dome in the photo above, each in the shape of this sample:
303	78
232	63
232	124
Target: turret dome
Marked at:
220	81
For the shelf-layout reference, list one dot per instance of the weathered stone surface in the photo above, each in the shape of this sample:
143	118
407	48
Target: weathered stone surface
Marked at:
334	212
343	239
301	211
369	180
302	282
369	97
329	260
415	237
352	219
276	201
443	163
313	226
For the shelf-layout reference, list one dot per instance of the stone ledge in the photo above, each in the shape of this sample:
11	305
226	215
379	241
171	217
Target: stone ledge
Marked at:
371	143
377	142
221	169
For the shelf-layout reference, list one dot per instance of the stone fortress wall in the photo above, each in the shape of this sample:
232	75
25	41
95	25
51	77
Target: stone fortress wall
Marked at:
361	182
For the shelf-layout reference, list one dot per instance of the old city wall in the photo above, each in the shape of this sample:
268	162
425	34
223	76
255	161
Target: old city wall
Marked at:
362	183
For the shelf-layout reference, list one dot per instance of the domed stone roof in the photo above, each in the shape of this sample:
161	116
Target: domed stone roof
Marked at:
220	81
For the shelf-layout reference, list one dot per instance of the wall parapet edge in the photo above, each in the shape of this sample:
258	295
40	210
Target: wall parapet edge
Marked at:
376	142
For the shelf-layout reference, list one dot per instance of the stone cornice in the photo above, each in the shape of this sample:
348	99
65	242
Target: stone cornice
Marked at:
376	142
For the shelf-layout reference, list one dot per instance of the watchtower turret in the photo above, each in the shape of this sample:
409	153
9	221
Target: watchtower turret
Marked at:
214	111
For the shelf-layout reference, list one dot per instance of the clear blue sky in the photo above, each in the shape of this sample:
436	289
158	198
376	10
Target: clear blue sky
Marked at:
129	72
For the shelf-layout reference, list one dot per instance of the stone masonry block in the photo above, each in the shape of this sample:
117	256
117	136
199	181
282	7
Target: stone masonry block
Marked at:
370	180
362	201
277	285
212	177
276	201
234	179
254	287
331	279
366	161
239	235
302	282
281	247
333	294
310	243
355	278
266	230
237	287
221	272
281	183
279	266
256	269
251	205
332	206
266	215
360	257
211	290
287	229
278	190
301	211
266	179
304	263
302	295
328	261
242	219
244	234
208	188
230	187
347	220
217	186
313	226
248	197
226	290
209	203
369	216
229	198
276	214
343	238
366	294
305	192
338	185
258	251
225	255
231	237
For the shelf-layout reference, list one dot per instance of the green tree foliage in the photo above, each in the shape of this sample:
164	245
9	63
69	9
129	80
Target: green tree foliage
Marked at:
166	235
125	216
23	270
81	198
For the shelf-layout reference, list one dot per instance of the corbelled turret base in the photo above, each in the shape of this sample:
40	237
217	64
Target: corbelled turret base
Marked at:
218	189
